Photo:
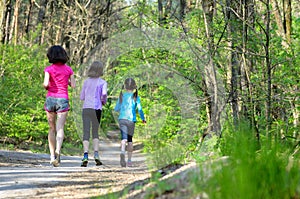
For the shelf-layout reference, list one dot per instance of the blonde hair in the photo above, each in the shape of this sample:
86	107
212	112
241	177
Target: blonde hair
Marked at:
95	69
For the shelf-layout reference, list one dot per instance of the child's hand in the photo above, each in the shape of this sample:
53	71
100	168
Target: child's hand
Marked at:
144	121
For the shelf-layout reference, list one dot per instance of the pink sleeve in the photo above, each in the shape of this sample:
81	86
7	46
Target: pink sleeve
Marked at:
71	71
47	69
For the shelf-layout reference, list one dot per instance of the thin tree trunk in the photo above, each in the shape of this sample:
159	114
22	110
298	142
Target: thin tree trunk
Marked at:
160	12
40	20
28	18
249	108
7	18
269	70
2	17
14	29
232	28
183	7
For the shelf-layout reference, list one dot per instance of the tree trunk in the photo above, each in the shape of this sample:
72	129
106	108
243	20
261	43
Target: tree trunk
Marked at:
211	73
28	18
160	12
2	17
278	19
40	21
14	26
248	107
287	22
7	21
232	29
269	70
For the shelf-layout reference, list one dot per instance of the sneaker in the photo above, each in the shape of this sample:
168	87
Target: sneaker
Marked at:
57	157
55	163
84	162
129	164
97	160
122	160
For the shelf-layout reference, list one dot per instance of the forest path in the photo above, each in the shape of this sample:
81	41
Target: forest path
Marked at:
29	175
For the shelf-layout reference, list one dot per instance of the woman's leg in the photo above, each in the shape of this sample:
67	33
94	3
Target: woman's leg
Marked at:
60	123
51	116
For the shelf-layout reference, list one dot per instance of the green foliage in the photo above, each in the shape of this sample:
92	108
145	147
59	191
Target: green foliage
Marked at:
22	93
266	170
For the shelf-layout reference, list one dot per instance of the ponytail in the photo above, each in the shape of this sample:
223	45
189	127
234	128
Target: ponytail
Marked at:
135	94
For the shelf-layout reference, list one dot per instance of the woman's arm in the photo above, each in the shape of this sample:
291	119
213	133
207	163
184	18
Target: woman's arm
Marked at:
46	80
72	82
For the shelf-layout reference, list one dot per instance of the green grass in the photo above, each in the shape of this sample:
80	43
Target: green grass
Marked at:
264	169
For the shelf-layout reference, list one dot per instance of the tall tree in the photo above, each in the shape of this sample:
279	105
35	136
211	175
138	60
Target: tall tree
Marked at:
233	34
214	110
269	67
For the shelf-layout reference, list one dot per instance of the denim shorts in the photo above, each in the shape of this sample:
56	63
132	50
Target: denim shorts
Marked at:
57	105
127	129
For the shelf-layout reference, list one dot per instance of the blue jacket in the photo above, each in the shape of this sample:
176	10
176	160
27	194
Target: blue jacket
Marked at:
128	107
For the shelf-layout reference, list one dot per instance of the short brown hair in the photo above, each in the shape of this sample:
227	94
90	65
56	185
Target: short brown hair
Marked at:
95	69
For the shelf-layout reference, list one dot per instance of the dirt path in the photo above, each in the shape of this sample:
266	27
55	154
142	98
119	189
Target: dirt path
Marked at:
29	175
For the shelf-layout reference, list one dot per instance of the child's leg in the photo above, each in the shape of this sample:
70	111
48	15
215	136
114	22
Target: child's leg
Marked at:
124	137
129	150
131	126
96	145
122	155
86	146
123	145
86	135
95	117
